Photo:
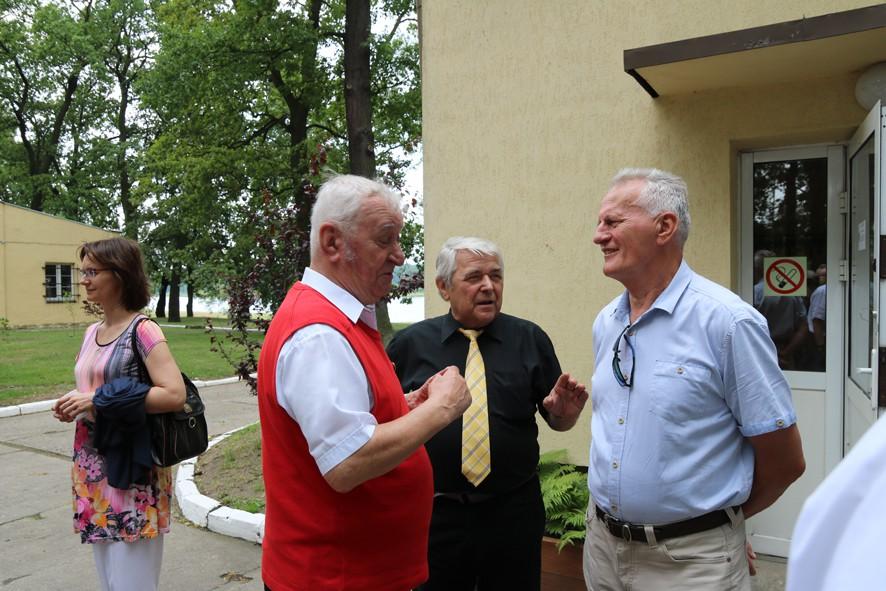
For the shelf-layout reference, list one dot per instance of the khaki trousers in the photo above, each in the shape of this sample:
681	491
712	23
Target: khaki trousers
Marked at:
712	560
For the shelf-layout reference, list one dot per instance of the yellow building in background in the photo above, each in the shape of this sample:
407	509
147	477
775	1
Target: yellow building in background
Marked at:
39	284
767	109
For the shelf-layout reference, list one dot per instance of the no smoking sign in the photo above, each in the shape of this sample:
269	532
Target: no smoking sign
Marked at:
785	276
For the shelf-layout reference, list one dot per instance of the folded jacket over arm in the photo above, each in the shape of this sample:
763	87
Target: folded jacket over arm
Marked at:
122	434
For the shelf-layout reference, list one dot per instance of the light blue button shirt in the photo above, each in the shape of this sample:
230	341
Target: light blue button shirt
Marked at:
673	446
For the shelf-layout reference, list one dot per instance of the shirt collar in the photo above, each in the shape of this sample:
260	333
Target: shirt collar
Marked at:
666	300
450	326
340	298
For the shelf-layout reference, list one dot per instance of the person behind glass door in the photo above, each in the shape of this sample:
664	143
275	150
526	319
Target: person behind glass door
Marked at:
785	316
818	303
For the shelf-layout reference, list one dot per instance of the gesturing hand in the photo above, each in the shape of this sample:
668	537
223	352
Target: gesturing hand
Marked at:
450	391
415	398
565	402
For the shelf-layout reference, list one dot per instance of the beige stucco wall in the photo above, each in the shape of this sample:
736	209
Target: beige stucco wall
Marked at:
29	240
528	113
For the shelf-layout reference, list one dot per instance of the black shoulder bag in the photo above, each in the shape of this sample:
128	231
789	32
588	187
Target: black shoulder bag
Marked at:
178	435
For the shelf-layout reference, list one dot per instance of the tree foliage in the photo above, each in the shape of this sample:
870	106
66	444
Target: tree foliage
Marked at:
203	127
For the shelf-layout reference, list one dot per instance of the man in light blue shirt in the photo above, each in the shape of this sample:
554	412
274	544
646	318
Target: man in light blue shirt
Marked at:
693	425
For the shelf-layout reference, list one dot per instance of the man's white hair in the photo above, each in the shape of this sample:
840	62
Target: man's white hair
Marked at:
664	191
446	259
339	201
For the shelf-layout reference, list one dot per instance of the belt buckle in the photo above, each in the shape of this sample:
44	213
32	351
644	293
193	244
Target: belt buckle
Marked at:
626	532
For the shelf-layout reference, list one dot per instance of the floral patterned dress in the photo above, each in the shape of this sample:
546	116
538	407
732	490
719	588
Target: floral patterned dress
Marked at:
103	513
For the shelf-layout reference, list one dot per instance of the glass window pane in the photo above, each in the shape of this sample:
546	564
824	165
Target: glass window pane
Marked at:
66	284
49	282
790	221
860	247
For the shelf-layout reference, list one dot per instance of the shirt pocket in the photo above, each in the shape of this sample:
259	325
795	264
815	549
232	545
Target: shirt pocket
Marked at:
683	391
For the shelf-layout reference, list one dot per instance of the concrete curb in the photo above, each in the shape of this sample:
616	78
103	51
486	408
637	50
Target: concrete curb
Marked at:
209	513
45	405
203	328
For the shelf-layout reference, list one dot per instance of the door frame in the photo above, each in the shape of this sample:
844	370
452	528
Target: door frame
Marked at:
831	380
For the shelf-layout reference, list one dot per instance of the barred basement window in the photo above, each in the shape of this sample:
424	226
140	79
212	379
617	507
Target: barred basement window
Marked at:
59	283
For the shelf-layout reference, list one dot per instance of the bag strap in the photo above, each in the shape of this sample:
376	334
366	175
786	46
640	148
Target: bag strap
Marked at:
143	375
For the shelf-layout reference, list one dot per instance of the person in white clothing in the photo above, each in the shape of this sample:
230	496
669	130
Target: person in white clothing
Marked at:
838	540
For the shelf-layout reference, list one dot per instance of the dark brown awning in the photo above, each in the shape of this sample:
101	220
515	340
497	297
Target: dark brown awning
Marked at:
804	49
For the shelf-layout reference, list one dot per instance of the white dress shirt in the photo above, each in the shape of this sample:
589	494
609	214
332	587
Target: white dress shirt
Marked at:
839	537
321	383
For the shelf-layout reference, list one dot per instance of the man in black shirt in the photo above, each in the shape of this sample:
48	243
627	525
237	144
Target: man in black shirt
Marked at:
488	517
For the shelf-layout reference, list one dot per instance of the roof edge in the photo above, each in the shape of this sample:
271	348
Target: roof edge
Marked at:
57	217
795	31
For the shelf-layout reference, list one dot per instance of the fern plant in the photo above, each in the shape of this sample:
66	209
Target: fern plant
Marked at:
564	491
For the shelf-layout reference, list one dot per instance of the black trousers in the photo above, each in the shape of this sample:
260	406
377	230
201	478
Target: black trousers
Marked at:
494	545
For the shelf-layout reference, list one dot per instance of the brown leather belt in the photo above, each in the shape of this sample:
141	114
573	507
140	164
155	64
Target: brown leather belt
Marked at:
634	532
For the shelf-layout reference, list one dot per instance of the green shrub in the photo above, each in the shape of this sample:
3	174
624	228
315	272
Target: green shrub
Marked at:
564	491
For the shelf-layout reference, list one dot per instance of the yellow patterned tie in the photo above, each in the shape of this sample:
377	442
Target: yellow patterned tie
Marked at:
475	456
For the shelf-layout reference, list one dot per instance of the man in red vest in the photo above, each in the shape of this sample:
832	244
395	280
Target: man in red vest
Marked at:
348	482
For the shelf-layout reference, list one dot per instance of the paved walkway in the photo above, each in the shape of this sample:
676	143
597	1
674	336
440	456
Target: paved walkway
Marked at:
39	552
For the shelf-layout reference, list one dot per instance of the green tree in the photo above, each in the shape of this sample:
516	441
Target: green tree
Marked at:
247	92
45	51
205	125
67	73
126	56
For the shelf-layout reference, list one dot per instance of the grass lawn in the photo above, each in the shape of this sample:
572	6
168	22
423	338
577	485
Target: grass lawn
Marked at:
231	471
38	364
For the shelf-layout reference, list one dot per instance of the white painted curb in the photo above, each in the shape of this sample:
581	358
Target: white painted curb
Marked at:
45	405
32	407
207	512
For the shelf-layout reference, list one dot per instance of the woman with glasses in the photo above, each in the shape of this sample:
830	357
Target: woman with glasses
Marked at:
124	522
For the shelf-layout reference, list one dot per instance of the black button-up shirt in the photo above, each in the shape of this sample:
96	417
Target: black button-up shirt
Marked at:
521	369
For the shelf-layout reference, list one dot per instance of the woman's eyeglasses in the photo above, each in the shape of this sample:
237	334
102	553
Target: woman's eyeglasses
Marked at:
90	273
624	382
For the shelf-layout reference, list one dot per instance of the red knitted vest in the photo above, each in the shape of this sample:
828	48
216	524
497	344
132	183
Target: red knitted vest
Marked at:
374	537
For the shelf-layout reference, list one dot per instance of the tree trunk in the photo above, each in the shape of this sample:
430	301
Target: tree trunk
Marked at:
358	93
160	311
299	107
790	213
358	109
189	307
174	299
42	165
130	225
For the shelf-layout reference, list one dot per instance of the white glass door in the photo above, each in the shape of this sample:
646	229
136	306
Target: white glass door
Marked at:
791	243
864	229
